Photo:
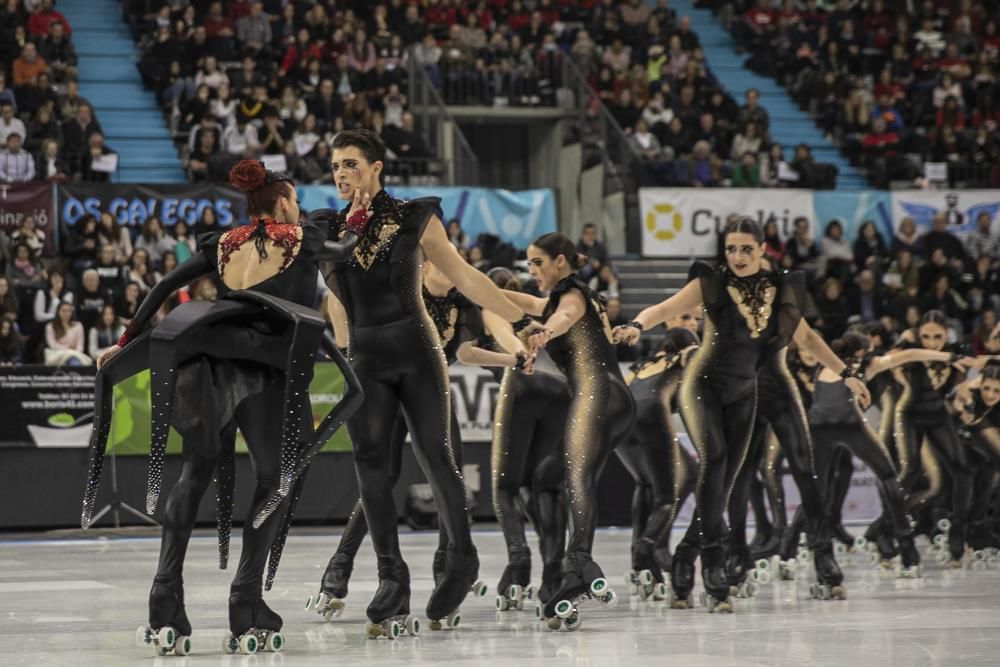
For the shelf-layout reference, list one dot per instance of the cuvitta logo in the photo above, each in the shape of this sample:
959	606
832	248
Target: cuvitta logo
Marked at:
671	219
959	220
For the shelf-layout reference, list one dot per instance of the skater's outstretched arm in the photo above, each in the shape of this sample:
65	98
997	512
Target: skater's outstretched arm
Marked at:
810	341
687	298
571	308
900	357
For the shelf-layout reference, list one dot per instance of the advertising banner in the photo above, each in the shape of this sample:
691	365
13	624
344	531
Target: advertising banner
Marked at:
18	200
517	218
685	222
44	406
852	209
133	204
960	207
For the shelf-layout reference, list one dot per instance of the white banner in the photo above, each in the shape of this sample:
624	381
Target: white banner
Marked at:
474	395
686	222
961	207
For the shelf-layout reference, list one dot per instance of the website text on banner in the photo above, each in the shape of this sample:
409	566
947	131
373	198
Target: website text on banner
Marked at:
517	218
19	200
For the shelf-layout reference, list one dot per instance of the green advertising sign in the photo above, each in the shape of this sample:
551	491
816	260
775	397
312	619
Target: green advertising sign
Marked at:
130	427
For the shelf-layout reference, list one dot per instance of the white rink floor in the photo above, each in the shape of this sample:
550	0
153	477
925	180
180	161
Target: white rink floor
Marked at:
79	601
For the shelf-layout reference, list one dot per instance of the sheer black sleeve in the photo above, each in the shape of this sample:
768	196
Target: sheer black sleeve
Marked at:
414	216
710	281
789	302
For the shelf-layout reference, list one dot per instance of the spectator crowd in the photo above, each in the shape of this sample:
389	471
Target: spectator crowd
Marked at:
48	132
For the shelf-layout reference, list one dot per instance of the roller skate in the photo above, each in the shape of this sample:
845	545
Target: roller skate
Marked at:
253	625
843	537
169	631
551	578
582	580
478	588
682	578
741	573
515	582
330	601
716	597
885	551
829	579
458	581
909	567
389	611
770	546
645	578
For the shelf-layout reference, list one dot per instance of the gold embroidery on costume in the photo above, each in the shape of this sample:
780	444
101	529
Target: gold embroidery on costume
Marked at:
376	238
754	299
938	373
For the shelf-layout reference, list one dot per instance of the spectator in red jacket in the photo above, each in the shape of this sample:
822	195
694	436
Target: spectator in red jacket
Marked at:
39	22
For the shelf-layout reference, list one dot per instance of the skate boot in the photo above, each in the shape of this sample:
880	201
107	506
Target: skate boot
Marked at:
253	626
460	578
515	582
769	547
664	559
389	611
886	547
956	547
829	579
169	630
682	577
841	535
740	572
909	568
330	601
551	578
714	577
645	578
582	580
478	589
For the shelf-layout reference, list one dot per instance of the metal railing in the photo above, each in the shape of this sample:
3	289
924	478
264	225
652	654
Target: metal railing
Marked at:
440	128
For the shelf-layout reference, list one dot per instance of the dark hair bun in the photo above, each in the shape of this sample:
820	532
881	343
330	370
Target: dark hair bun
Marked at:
248	175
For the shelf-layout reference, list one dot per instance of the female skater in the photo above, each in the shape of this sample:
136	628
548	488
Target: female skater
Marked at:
458	324
750	315
600	416
662	468
215	366
397	356
975	403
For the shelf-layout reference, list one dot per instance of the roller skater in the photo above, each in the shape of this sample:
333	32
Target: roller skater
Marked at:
397	356
601	413
750	315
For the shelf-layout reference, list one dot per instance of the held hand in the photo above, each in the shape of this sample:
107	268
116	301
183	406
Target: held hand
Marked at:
965	363
860	392
538	339
107	355
526	333
626	334
360	201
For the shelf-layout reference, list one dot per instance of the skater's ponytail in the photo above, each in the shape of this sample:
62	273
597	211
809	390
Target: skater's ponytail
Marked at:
554	244
504	278
262	187
847	346
678	339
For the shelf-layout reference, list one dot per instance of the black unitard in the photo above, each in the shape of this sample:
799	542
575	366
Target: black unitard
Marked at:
835	421
457	320
921	414
982	437
396	353
747	321
601	414
663	470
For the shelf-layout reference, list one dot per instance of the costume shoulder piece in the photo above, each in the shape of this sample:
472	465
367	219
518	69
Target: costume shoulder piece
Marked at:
393	230
790	298
287	237
208	243
596	303
710	280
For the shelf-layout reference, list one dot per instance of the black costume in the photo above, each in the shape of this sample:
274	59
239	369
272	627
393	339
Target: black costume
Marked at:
921	414
747	322
396	353
242	361
601	415
663	470
456	320
982	438
836	422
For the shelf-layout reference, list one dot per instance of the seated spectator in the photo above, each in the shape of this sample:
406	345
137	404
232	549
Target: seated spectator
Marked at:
774	247
703	167
25	271
47	300
945	88
90	172
16	164
58	53
81	243
10	124
746	174
645	142
129	300
77	133
70	102
880	149
981	242
624	111
11	348
405	141
6	94
982	286
29	234
941	237
105	332
605	281
210	75
870	251
595	251
42	128
43	17
866	297
28	66
167	263
64	339
752	112
139	270
774	171
240	138
184	243
836	253
253	31
942	297
111	272
833	310
456	236
984	332
203	290
889	113
91	298
9	305
199	159
937	264
748	140
675	139
801	247
906	237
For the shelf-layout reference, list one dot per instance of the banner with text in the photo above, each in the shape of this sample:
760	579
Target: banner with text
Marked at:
132	205
678	222
516	217
960	207
19	200
44	406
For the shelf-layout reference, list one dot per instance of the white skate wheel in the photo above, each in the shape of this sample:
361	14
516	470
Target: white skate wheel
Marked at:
413	626
660	591
394	630
645	577
538	611
529	591
310	603
502	603
166	637
142	636
610	599
564	608
861	542
630	578
840	549
978	555
453	620
944	525
183	646
248	644
763	564
274	642
515	592
480	588
229	644
764	577
598	586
